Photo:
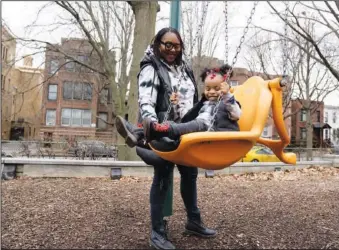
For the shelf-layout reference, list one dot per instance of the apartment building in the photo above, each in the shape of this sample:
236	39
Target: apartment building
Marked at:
27	96
331	116
21	93
76	101
299	132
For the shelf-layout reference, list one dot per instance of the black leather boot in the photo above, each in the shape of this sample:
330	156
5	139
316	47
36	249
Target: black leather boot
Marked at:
197	228
159	239
128	131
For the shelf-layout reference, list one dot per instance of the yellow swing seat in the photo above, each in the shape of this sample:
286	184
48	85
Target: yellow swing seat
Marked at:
218	150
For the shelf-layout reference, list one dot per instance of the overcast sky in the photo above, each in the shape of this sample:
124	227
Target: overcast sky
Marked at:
17	14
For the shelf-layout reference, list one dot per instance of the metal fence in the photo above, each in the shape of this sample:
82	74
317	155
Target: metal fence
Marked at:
95	150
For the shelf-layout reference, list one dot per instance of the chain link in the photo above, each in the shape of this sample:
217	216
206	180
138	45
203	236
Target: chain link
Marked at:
242	39
171	104
226	31
285	41
203	17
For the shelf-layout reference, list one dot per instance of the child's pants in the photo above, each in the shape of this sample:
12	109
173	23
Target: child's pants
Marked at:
178	129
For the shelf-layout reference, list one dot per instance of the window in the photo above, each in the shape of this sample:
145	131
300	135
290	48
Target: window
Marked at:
318	116
76	117
82	58
4	53
104	96
86	118
70	65
264	151
102	120
334	117
265	131
303	115
52	91
326	116
50	117
77	91
3	81
87	89
303	133
234	83
66	117
54	66
326	134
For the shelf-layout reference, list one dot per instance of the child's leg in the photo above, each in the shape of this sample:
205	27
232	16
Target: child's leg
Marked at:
154	130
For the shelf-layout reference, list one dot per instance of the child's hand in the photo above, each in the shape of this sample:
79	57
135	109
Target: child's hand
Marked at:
174	98
225	87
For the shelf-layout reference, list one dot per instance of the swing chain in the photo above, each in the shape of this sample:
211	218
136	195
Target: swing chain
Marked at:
233	63
204	13
171	104
167	112
243	37
285	41
226	31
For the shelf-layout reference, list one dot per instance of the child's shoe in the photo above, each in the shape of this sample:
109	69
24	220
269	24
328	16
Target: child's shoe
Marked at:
154	130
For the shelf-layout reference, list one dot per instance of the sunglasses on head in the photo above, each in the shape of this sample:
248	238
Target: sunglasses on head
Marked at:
170	46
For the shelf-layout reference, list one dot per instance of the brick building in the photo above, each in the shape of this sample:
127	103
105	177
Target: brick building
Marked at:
299	133
76	102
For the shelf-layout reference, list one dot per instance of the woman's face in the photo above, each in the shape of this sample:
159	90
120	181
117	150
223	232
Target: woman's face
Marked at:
170	47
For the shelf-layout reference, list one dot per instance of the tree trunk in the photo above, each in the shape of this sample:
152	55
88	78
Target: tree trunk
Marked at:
145	14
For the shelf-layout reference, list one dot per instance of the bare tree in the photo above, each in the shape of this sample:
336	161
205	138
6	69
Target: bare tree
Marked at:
311	82
109	28
200	33
263	59
324	16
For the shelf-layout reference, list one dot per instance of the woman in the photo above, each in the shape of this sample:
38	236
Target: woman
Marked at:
163	72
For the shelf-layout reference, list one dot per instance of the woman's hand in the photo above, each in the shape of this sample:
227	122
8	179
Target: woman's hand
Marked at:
225	87
174	98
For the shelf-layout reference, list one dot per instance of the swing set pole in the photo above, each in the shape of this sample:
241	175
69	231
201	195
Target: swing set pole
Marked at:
174	23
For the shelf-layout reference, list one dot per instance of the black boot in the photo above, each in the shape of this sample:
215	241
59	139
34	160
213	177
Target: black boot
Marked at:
159	239
128	131
154	130
197	228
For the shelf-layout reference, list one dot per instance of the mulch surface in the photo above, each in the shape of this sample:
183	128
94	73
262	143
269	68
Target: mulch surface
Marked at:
285	210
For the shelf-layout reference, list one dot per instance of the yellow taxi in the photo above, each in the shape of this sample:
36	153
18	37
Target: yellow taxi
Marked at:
260	154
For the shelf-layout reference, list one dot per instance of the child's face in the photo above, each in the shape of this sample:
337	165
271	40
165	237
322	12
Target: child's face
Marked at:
213	87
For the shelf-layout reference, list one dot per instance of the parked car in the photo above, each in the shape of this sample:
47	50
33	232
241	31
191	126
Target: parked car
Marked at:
93	149
260	154
4	154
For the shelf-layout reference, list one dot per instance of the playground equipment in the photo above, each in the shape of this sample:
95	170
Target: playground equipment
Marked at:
217	150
